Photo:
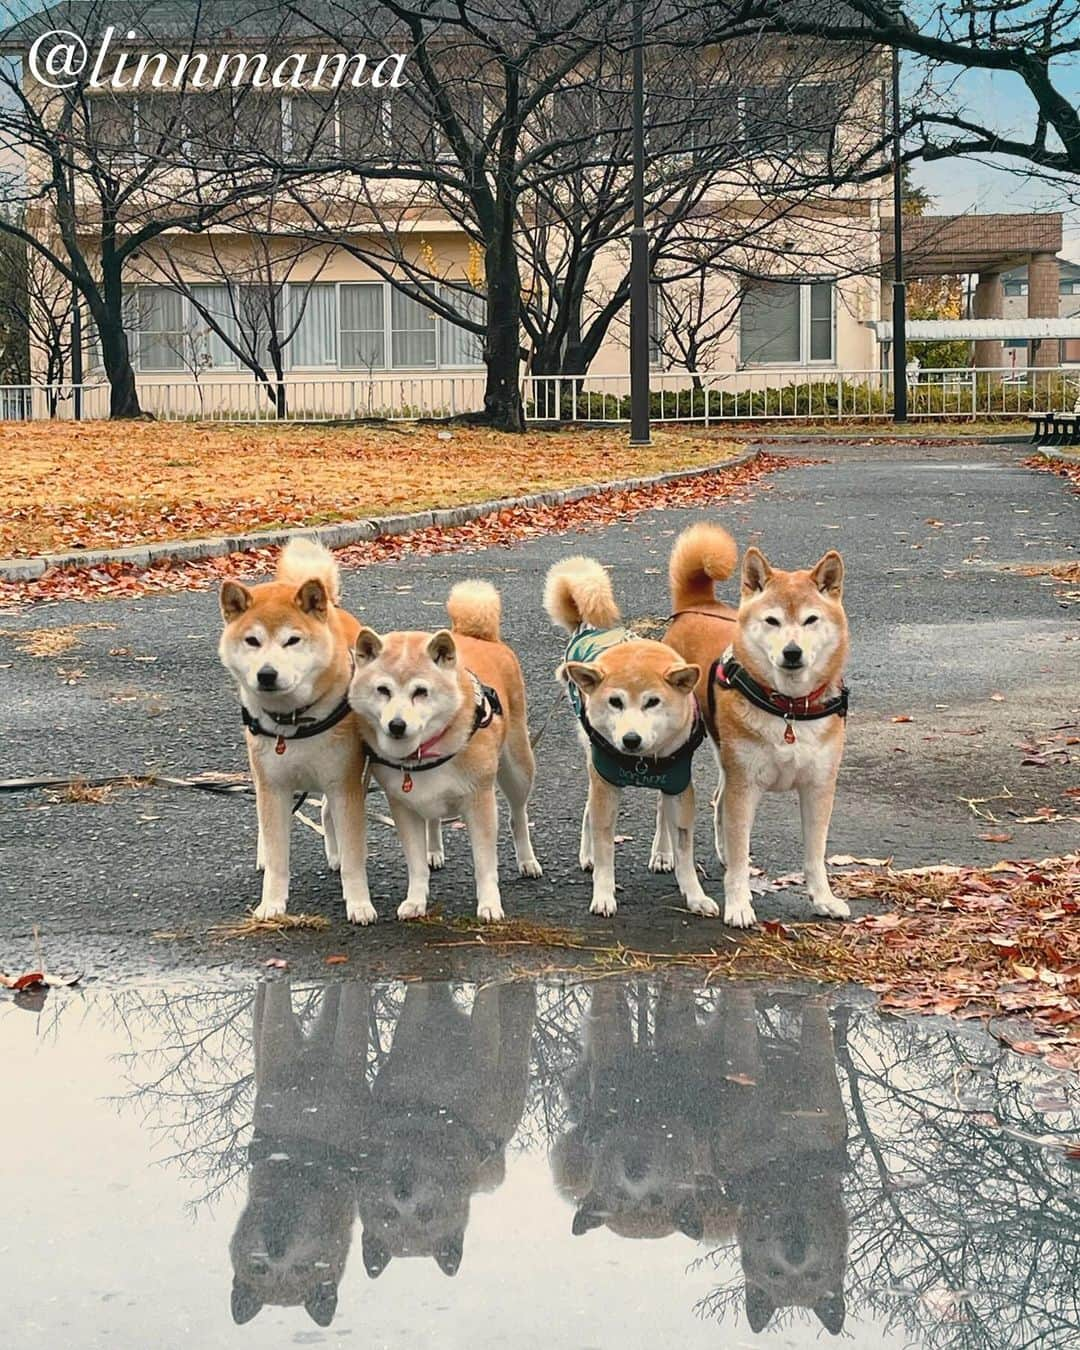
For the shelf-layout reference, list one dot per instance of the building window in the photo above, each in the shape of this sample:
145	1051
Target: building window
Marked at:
161	329
787	323
313	328
213	320
1016	288
413	341
461	346
776	120
1069	286
362	311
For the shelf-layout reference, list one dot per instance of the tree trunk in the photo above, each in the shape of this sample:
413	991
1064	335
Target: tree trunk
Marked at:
502	395
108	312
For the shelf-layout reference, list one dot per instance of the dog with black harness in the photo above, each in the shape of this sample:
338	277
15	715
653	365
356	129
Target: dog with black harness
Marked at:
639	723
443	718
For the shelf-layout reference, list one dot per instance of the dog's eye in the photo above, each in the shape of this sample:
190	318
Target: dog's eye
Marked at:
812	618
419	693
651	702
616	703
773	623
253	641
291	641
383	690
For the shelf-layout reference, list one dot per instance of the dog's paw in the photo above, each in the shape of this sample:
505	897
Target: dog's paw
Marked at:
739	914
412	909
530	867
436	861
603	905
490	911
360	911
662	862
831	907
703	905
270	909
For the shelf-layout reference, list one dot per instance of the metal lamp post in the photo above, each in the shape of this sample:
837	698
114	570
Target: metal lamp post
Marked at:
899	302
639	251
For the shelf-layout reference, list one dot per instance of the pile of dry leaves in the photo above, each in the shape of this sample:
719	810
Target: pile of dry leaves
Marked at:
507	527
1064	468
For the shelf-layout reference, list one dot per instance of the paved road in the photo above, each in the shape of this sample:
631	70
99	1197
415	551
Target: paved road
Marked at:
940	629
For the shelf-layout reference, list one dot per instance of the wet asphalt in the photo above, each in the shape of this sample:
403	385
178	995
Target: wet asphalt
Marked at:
979	658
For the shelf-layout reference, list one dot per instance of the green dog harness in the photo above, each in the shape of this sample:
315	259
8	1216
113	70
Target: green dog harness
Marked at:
669	774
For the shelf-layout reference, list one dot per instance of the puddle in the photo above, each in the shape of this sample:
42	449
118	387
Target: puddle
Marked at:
631	1162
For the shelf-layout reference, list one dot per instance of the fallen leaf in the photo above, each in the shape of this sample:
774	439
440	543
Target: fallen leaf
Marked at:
337	959
903	717
742	1079
995	838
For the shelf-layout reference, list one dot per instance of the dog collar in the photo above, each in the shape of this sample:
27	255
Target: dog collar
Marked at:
488	707
727	673
303	727
669	774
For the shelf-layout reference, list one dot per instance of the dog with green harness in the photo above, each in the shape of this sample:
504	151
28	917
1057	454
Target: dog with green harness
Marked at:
639	724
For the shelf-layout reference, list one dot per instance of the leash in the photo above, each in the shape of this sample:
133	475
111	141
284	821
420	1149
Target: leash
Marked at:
534	739
488	707
726	673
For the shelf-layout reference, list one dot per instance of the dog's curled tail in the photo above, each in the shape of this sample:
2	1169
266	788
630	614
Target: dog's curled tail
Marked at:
578	591
703	555
475	610
307	560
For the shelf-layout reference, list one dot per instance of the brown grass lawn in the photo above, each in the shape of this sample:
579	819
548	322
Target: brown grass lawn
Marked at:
104	484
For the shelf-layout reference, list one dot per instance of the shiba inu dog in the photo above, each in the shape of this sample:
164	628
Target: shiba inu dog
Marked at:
443	717
446	1101
780	1153
772	679
640	726
288	644
636	1158
311	1115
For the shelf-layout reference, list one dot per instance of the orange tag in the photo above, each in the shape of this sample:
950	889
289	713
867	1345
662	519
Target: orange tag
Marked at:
406	781
789	734
279	748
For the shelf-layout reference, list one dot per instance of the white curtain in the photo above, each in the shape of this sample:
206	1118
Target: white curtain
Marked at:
460	346
769	322
213	301
412	332
363	325
313	323
161	327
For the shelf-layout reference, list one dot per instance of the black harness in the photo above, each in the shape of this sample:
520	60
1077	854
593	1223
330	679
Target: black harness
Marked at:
726	673
488	707
303	726
669	774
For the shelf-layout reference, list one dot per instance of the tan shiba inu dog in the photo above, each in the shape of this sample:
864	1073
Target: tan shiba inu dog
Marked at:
288	644
446	1102
311	1117
640	725
443	717
772	680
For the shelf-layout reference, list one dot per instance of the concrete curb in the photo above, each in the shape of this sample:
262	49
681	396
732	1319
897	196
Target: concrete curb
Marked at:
344	532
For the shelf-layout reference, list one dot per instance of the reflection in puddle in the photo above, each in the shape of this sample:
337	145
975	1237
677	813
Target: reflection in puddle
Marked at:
631	1161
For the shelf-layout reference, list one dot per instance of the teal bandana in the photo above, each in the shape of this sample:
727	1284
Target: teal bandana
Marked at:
669	774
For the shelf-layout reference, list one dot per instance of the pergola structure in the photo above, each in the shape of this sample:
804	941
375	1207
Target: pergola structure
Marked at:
985	246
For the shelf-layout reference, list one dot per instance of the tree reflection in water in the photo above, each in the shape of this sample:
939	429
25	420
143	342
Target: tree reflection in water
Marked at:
832	1164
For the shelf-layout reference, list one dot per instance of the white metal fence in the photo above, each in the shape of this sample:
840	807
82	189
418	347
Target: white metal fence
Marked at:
706	398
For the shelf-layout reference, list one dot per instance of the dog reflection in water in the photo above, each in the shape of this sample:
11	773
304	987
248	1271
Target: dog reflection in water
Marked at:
311	1109
445	1103
697	1125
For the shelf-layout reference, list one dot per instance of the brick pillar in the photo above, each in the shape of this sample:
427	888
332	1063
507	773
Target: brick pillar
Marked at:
986	303
1043	303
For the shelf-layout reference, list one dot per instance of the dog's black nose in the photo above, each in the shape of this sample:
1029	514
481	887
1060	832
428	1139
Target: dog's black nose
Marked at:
267	677
631	740
397	728
792	654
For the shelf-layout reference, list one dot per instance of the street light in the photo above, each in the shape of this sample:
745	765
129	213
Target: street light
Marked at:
639	251
899	298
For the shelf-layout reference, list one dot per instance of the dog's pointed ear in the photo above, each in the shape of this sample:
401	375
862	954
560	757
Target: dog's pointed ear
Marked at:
442	649
684	678
321	1305
587	678
587	1217
448	1253
312	598
367	646
756	571
759	1308
376	1255
828	574
245	1302
688	1220
235	598
831	1311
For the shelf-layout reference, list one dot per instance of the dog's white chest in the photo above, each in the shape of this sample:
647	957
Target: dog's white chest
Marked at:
431	793
305	765
780	765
